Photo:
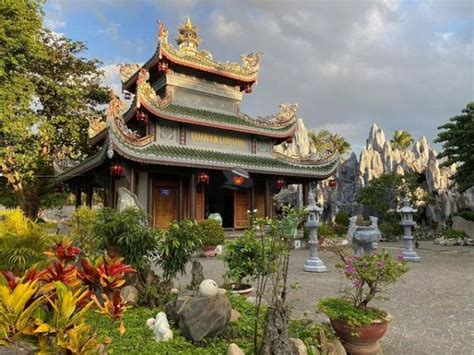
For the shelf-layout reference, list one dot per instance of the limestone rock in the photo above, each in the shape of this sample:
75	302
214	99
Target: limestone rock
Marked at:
234	316
129	294
299	348
234	349
463	225
197	275
208	288
202	316
127	198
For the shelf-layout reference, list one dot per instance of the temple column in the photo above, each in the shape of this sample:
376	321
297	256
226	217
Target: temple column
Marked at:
133	181
306	189
192	195
268	198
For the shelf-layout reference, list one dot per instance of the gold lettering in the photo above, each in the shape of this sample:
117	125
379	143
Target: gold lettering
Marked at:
212	138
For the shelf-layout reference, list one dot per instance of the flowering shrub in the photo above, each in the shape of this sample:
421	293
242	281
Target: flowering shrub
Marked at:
369	275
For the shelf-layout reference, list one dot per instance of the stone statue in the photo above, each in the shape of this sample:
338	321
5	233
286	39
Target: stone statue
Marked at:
364	239
160	327
126	198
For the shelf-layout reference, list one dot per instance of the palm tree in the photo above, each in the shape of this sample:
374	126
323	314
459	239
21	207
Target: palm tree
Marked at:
324	139
401	139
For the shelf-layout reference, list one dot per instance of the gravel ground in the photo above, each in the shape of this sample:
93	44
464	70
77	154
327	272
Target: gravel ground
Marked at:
432	305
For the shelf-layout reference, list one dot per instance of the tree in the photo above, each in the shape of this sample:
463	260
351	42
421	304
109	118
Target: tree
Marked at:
457	137
401	139
385	192
47	119
324	138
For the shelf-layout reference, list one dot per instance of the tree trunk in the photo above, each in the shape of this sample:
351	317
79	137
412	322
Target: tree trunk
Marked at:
276	339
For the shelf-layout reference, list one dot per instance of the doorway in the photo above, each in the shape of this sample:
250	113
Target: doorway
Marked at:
220	200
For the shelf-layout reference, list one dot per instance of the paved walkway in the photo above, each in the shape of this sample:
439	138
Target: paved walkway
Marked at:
432	305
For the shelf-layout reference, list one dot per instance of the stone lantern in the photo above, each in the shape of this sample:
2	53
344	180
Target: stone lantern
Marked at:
406	213
313	263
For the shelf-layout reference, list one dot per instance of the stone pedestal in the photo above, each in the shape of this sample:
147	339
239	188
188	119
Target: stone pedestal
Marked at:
313	263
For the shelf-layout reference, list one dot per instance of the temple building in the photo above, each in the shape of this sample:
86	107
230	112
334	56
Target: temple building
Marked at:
183	146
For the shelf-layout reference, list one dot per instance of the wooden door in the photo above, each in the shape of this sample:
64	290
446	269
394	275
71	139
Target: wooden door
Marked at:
200	203
260	200
165	202
241	205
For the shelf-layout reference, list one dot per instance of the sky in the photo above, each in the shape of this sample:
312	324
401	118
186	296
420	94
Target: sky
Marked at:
402	64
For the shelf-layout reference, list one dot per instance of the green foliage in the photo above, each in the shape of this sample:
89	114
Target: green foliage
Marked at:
211	232
457	137
241	257
454	234
401	139
324	230
82	230
390	231
466	214
341	309
177	245
22	242
342	218
385	192
128	231
43	115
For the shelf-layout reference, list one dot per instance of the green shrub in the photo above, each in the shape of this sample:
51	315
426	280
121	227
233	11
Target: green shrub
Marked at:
22	242
128	233
341	309
177	245
466	214
82	230
391	231
454	234
342	218
324	230
211	232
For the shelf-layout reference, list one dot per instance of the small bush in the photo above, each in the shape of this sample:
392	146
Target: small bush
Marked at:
450	233
391	231
466	214
341	309
82	230
324	230
211	232
342	218
22	242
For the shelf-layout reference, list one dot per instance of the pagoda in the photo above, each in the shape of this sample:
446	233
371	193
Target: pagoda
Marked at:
183	146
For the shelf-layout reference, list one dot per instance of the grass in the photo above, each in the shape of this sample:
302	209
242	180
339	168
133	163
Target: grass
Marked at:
139	339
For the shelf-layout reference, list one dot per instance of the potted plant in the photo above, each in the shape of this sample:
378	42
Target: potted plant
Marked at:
359	326
212	235
240	257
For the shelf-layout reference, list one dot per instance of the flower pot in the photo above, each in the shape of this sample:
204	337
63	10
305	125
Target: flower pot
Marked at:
209	251
361	340
242	289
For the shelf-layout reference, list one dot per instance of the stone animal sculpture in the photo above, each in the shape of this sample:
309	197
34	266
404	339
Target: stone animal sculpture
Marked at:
364	239
160	327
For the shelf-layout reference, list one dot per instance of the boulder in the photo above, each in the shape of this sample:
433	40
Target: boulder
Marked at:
234	349
208	288
203	316
463	225
129	294
234	316
299	348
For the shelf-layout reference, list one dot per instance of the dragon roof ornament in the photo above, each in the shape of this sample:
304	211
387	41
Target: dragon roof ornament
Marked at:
145	91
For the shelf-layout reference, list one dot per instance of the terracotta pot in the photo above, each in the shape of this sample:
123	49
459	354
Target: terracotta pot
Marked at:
363	340
209	251
242	289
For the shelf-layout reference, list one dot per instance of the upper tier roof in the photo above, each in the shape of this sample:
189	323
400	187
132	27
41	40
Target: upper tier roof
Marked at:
188	55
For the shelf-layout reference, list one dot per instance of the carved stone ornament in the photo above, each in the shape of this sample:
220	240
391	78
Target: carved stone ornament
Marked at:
96	125
251	61
146	92
127	71
287	112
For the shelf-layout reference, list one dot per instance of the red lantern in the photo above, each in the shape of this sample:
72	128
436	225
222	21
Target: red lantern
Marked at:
280	183
238	180
332	183
162	67
117	170
142	117
203	178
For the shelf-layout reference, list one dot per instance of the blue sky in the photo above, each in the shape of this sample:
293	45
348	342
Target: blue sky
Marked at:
347	63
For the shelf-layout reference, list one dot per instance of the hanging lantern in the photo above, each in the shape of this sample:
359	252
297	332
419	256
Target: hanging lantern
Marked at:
142	117
117	170
280	183
203	178
332	183
238	180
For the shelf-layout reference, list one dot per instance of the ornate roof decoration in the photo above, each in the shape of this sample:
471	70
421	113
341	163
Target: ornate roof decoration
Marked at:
188	35
96	125
145	91
127	71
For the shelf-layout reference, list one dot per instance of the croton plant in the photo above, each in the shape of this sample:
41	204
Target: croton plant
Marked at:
47	307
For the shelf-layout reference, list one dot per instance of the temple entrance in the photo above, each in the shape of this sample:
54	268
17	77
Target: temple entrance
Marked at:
165	203
221	200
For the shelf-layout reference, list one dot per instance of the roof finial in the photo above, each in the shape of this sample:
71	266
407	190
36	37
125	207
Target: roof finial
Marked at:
188	37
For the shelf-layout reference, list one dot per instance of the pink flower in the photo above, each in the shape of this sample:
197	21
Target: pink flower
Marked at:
357	283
